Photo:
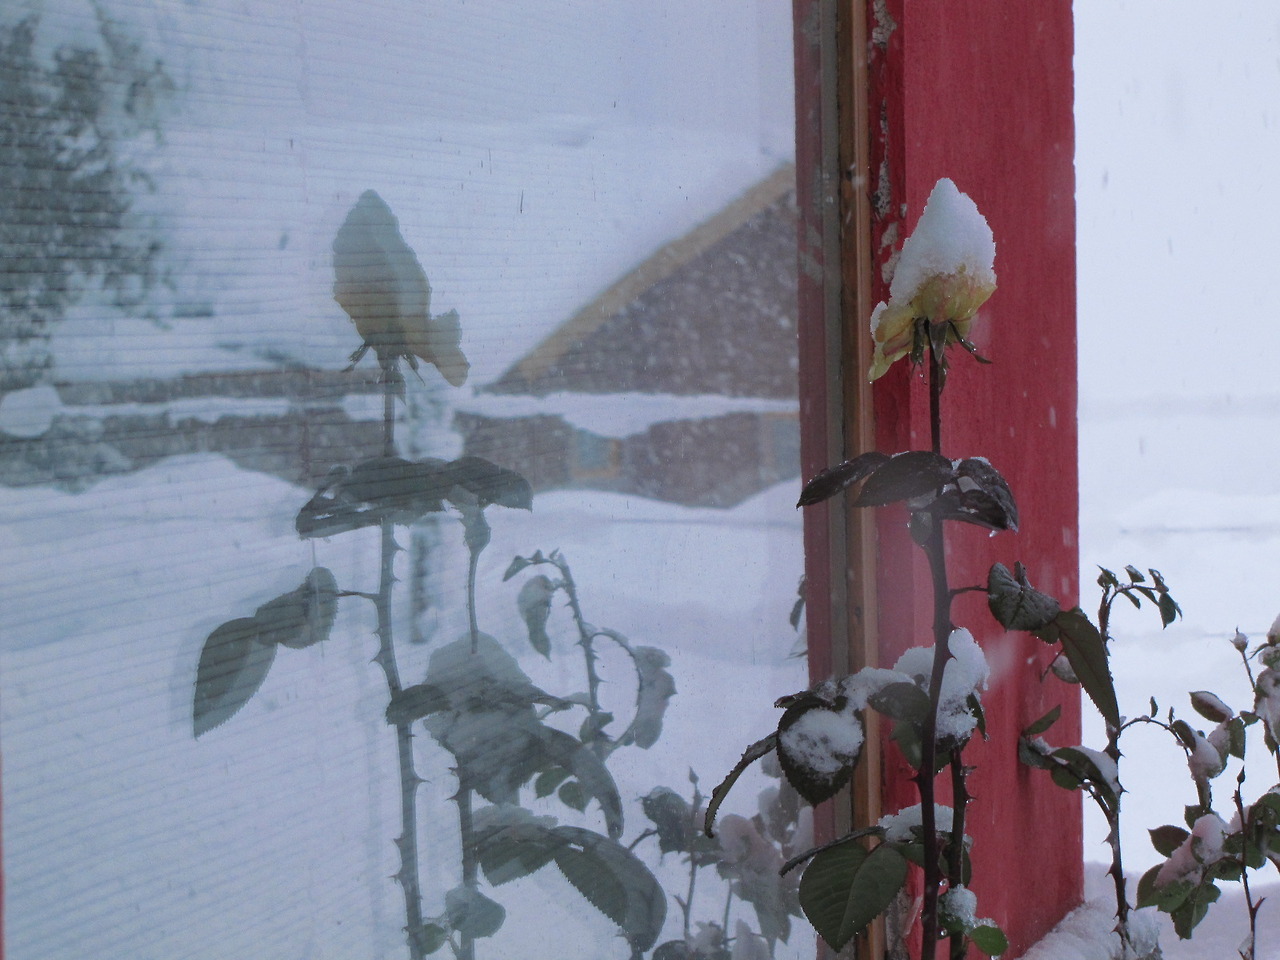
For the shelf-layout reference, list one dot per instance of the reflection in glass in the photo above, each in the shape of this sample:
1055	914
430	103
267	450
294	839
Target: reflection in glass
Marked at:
398	440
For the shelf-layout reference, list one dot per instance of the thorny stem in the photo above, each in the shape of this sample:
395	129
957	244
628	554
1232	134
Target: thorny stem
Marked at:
407	843
1112	813
1252	907
934	547
586	641
694	816
955	866
467	947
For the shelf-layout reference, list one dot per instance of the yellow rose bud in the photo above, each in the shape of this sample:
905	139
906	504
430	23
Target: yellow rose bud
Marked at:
946	271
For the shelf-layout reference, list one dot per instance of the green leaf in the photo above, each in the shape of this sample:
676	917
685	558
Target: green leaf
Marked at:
233	664
512	858
593	777
980	495
843	889
491	484
548	780
595	881
534	604
473	914
1107	579
749	756
989	939
429	938
655	688
572	796
1210	706
1014	603
302	617
1135	575
671	816
1044	723
1167	839
605	867
812	783
1169	611
833	480
1087	653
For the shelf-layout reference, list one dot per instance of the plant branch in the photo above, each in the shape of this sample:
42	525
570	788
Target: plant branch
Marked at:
407	843
935	549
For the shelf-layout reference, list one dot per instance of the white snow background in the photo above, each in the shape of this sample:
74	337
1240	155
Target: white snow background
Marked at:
125	837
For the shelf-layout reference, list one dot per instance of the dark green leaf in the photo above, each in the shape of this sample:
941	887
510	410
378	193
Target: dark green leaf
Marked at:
414	703
517	564
989	939
980	496
1167	839
656	687
473	914
1135	575
835	479
429	938
1107	579
1014	603
645	904
512	858
534	603
1036	755
843	889
749	756
797	609
1195	908
1210	707
571	795
548	780
906	476
671	817
593	778
1169	611
1044	723
303	616
901	701
1087	653
233	664
491	484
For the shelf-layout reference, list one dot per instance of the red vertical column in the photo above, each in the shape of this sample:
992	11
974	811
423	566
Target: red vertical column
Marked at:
981	93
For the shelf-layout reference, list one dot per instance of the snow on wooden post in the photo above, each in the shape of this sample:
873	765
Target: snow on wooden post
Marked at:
885	107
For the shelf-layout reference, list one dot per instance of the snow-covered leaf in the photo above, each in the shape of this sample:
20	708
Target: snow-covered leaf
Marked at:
233	664
1210	706
818	744
980	496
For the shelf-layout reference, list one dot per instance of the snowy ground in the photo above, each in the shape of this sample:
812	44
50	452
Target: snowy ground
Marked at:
270	836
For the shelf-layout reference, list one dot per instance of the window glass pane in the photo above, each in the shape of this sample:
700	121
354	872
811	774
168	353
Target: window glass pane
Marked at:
304	306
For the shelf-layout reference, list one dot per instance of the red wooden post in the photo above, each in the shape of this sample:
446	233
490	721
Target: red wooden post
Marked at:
982	94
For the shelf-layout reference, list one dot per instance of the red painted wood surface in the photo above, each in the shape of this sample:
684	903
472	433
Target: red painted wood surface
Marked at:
981	93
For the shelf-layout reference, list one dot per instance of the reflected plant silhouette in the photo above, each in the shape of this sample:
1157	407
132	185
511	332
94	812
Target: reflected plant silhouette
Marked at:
475	701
